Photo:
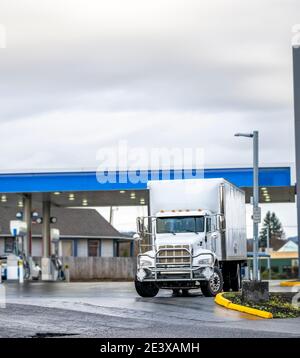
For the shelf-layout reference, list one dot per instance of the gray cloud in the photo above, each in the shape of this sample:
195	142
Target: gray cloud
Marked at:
76	77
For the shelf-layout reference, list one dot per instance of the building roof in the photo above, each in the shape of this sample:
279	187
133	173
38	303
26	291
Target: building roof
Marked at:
289	246
275	244
70	222
294	239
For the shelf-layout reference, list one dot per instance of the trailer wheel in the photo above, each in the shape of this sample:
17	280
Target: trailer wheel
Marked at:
214	286
226	278
146	289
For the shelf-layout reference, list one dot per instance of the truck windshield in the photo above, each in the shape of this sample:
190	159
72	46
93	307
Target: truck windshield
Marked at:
180	224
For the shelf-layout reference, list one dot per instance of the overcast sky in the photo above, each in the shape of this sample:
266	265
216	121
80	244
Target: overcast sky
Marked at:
82	74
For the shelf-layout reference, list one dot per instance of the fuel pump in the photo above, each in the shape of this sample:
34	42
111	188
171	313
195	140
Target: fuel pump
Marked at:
18	229
19	266
52	268
56	264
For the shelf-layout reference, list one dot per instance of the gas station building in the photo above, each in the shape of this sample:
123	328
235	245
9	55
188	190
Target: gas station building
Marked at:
83	233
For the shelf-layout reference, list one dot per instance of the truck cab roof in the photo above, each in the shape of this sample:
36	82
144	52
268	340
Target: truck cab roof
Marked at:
174	213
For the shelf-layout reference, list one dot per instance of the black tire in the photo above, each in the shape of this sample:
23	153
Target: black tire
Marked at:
146	289
185	293
214	286
226	278
236	279
176	292
231	277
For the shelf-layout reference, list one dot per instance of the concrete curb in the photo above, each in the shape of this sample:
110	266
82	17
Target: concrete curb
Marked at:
289	283
220	300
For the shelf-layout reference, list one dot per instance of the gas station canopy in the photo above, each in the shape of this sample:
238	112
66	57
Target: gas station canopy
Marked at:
81	188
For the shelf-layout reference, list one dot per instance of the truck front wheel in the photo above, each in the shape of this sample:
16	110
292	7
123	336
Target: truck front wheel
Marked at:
146	289
214	286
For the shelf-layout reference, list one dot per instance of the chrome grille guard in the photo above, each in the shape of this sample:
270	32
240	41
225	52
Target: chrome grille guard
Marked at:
185	268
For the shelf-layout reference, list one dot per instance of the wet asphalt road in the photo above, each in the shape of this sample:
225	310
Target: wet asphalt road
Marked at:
113	309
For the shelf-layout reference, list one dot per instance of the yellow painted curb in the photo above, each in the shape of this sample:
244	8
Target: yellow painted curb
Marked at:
289	283
220	300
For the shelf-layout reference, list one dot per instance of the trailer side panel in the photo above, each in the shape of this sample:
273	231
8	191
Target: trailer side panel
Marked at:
235	213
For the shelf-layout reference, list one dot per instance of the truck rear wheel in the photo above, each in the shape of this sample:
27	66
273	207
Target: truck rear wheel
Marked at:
232	277
236	281
214	286
146	289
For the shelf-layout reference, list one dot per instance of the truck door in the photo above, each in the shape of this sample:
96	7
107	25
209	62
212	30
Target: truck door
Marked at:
210	237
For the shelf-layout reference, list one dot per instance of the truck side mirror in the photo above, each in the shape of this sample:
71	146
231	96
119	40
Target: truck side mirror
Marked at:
137	237
221	222
140	226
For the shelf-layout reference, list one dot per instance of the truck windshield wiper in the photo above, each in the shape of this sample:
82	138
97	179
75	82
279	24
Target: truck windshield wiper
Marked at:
196	232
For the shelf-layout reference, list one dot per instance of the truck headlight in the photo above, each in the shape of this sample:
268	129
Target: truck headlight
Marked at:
145	263
206	261
141	274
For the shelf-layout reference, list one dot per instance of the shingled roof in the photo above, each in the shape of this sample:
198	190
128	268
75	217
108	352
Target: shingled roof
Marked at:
70	222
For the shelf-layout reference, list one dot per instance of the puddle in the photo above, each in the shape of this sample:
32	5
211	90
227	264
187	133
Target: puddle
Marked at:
53	335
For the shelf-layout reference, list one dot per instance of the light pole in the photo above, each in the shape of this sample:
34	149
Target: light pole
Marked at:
256	209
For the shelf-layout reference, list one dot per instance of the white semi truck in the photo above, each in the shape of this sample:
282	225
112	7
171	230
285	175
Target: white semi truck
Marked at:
195	237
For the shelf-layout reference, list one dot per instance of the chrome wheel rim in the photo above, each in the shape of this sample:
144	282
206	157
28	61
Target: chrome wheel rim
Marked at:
215	282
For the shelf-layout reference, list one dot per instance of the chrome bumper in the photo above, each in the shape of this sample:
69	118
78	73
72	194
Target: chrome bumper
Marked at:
180	270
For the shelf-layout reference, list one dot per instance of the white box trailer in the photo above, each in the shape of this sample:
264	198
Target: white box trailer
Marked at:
216	195
203	217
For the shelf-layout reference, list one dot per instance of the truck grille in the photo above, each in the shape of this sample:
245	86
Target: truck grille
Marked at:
173	255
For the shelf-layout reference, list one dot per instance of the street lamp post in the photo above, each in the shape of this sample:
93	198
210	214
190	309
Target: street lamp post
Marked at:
256	209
